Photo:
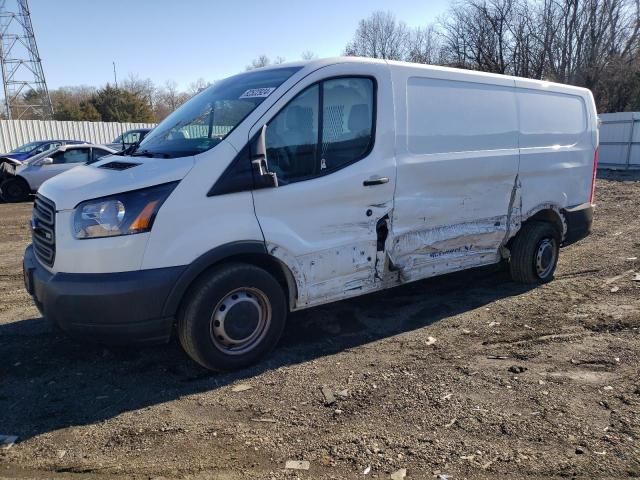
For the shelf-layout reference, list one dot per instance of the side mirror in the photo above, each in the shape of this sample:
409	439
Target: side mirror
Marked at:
259	161
46	161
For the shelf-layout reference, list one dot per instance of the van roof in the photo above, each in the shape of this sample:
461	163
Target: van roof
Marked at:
524	82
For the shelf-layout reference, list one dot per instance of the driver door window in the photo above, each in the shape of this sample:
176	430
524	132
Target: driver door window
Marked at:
292	138
326	127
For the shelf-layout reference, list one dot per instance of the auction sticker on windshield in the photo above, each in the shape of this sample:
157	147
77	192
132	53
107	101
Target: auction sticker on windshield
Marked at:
257	92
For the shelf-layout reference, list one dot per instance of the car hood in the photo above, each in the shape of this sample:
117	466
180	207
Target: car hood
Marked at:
15	156
93	181
12	161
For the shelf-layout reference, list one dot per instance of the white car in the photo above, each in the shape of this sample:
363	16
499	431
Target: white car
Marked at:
297	185
31	173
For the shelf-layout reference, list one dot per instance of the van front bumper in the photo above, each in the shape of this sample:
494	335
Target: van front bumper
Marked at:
116	308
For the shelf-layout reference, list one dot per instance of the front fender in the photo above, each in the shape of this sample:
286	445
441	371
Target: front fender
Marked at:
202	263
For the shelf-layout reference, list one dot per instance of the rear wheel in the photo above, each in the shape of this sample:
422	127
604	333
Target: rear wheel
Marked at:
232	316
15	190
534	253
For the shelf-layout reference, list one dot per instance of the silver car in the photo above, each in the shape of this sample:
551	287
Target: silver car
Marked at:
32	173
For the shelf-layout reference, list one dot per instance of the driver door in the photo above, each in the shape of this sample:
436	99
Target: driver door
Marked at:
328	143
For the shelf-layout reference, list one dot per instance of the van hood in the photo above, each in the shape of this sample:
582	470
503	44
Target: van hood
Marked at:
93	181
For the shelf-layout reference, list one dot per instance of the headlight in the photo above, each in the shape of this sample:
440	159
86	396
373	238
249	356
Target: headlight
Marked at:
121	214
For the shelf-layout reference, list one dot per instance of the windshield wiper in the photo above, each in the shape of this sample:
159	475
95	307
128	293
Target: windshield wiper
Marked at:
129	150
147	153
142	153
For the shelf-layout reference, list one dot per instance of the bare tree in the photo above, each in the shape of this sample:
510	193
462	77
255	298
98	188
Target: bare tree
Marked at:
168	98
590	43
528	55
198	86
477	35
379	36
423	46
308	55
259	62
143	88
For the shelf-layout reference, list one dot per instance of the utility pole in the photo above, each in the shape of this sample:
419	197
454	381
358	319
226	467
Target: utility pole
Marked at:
115	76
25	88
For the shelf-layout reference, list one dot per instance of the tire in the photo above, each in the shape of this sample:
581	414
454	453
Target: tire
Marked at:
232	317
15	190
534	253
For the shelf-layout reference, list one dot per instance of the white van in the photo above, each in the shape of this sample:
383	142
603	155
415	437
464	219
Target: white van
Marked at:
302	184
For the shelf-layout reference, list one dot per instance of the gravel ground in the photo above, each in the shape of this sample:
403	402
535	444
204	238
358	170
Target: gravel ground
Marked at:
463	376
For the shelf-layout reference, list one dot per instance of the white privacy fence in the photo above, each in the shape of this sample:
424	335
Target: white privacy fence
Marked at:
619	140
14	133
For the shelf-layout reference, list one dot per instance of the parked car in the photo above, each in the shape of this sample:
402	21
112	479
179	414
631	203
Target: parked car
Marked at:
307	183
128	138
28	177
32	149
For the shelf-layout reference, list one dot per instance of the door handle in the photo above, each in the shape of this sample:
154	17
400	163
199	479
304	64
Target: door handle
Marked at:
375	181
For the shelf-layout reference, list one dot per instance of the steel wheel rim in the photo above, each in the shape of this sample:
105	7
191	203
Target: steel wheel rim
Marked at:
224	334
546	257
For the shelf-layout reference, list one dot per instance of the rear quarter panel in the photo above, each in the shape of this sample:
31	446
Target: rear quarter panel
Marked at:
558	138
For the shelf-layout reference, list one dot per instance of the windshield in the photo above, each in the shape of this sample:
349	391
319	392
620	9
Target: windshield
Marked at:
205	120
26	148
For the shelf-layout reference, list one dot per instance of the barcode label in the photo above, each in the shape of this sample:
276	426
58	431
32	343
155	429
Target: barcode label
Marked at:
257	92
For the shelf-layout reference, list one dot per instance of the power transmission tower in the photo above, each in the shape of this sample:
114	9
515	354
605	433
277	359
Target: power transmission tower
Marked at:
25	89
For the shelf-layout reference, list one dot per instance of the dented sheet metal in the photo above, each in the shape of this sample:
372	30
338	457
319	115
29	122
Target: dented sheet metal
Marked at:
337	262
365	266
330	274
442	243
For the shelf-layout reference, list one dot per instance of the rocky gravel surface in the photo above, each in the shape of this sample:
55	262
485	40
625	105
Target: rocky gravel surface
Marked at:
464	376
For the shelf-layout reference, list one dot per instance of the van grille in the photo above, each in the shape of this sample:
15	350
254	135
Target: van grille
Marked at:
44	230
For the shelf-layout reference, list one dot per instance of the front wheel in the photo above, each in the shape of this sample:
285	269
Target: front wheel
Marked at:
534	253
232	316
14	190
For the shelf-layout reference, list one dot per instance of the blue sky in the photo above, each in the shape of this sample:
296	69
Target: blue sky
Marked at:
185	40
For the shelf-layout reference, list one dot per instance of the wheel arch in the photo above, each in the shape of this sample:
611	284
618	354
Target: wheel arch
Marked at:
252	252
26	181
547	213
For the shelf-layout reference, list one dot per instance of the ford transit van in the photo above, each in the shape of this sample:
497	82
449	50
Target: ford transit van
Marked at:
292	186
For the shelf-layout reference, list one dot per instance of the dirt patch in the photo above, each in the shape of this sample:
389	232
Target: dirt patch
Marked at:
515	382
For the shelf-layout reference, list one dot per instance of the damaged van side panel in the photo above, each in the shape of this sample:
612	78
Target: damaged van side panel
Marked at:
468	171
458	194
